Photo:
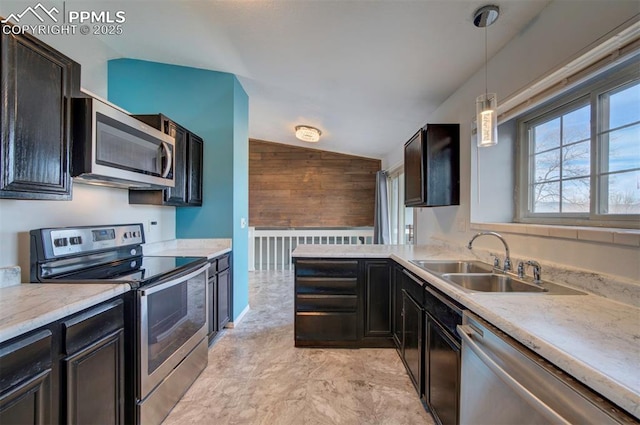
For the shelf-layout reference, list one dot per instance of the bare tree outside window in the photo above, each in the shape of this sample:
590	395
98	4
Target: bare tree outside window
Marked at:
561	157
579	156
561	163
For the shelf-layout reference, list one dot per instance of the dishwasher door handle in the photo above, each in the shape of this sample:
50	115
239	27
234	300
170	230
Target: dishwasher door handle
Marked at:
466	332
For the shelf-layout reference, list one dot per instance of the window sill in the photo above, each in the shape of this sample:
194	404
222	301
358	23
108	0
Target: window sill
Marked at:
625	237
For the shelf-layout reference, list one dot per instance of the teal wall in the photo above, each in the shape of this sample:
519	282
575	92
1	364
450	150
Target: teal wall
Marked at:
214	106
240	191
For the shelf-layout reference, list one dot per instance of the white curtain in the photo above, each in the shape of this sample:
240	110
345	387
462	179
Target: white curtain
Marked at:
381	234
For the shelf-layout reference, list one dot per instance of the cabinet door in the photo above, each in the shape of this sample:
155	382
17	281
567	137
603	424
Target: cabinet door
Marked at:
432	166
377	306
212	305
413	171
224	298
25	380
194	170
95	382
94	365
177	195
412	340
442	377
37	82
396	309
442	169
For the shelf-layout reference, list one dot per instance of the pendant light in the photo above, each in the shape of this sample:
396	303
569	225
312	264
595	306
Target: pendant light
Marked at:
487	103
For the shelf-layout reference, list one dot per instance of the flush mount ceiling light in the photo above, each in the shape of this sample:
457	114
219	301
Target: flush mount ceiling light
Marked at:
307	133
487	103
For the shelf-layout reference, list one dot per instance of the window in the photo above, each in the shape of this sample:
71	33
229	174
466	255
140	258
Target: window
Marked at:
580	155
401	218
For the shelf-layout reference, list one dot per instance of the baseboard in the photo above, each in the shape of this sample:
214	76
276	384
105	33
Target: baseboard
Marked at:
233	324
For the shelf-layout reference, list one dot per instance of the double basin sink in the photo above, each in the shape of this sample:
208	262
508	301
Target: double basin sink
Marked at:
476	276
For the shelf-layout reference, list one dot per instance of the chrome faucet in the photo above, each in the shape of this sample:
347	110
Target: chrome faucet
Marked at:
507	261
537	270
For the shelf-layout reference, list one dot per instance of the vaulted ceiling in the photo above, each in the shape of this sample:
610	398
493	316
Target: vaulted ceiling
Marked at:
366	72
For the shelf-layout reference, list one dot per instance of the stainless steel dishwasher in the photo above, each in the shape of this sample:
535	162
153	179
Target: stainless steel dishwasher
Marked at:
503	382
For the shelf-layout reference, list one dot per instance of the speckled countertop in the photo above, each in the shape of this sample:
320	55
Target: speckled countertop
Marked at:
27	306
210	248
595	339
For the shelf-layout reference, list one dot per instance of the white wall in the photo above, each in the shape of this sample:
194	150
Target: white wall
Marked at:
91	205
561	31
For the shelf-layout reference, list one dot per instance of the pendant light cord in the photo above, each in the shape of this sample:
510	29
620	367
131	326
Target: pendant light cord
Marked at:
486	72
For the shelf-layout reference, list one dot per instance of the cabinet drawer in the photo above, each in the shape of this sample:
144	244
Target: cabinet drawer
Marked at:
447	313
322	268
87	327
213	267
326	303
223	263
326	326
25	358
320	285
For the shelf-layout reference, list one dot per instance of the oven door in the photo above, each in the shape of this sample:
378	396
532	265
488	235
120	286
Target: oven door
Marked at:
173	320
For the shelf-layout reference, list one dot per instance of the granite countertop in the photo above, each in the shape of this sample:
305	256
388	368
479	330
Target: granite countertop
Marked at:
210	248
595	339
28	306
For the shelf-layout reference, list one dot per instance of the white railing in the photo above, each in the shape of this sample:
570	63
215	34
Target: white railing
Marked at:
271	249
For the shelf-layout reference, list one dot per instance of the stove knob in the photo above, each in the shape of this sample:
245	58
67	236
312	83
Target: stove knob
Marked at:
133	252
133	264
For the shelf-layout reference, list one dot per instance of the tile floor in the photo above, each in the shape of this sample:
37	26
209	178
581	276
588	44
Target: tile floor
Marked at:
256	376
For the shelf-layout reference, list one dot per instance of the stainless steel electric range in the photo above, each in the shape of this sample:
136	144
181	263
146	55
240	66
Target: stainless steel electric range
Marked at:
170	308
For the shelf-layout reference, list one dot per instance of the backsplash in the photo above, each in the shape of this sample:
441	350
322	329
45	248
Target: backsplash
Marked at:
9	276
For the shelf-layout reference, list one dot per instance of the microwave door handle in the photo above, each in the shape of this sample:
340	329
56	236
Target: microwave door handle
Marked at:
167	168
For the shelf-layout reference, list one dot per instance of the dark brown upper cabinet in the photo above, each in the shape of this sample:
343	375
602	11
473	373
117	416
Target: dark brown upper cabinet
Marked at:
188	167
432	166
37	85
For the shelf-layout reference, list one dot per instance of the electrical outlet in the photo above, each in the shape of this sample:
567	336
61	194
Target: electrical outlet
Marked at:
149	225
243	223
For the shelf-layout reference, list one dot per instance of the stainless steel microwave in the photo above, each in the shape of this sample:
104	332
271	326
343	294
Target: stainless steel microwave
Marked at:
112	148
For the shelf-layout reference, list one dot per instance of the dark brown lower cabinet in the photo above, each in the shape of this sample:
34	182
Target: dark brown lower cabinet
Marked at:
220	289
71	371
95	382
377	297
326	326
224	298
25	379
412	349
342	303
94	365
443	379
396	306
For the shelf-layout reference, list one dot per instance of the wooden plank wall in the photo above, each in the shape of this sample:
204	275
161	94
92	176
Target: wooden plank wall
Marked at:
290	186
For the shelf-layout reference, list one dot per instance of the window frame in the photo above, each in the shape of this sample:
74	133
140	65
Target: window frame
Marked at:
588	93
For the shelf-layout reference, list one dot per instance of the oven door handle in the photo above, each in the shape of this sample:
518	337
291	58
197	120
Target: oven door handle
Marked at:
173	282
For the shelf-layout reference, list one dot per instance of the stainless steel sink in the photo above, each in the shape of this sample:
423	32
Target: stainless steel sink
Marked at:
476	276
452	266
492	283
